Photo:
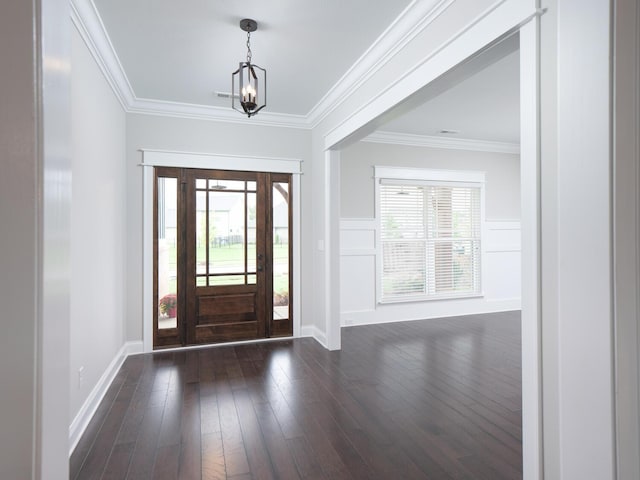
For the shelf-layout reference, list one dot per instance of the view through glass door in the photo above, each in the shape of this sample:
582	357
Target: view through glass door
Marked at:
222	254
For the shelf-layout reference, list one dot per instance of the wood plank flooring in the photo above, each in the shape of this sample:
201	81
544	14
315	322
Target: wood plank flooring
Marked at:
433	399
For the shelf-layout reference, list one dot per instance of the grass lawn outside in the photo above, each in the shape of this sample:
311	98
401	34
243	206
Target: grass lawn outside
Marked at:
230	258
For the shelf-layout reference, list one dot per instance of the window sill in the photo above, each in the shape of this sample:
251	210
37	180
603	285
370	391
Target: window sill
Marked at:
431	298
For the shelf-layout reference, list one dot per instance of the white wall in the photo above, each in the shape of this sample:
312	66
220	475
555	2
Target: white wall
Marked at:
501	242
502	187
98	221
191	135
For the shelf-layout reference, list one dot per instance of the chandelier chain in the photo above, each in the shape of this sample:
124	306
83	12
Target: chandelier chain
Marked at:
248	47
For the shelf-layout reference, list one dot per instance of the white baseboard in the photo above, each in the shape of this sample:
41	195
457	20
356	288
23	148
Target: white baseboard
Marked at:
316	333
391	315
88	409
504	305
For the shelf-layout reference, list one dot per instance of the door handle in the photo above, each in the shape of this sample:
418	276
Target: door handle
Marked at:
259	267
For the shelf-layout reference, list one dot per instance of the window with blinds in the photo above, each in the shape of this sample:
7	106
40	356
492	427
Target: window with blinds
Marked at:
430	239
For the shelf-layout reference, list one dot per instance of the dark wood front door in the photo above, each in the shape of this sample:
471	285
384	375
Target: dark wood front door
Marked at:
233	257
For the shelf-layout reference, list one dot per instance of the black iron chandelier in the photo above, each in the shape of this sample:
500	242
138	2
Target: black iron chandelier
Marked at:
249	82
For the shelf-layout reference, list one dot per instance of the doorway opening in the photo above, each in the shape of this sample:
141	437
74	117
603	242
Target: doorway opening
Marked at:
222	256
378	114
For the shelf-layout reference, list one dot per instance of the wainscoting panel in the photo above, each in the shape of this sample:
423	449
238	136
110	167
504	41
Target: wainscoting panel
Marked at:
500	277
357	283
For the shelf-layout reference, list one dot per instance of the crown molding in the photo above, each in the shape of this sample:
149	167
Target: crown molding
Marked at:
412	140
87	21
211	113
417	16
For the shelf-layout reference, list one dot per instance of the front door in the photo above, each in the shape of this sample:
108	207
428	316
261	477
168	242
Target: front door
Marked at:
232	256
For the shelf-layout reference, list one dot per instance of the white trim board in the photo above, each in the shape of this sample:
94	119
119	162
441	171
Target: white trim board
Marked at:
428	141
377	316
152	158
530	258
147	106
428	174
167	158
315	333
415	18
502	18
90	406
87	21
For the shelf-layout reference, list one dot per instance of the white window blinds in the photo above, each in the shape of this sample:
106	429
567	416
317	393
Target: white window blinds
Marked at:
430	240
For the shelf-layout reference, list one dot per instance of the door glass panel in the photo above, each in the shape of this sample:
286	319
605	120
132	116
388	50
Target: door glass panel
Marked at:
226	280
215	184
251	234
167	254
280	219
226	232
201	232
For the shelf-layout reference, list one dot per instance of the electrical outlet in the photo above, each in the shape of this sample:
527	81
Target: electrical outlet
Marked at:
80	377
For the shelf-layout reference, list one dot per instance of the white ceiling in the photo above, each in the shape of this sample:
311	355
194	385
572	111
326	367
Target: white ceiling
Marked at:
484	106
184	52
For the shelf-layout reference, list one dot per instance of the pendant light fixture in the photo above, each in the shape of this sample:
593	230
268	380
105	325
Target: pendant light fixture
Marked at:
249	82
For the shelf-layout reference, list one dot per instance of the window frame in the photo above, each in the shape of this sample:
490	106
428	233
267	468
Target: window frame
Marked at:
427	177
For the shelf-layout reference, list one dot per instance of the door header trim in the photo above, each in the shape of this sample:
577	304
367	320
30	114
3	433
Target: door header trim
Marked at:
166	158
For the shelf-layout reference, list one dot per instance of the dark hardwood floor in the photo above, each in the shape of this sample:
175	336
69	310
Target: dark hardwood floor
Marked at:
434	399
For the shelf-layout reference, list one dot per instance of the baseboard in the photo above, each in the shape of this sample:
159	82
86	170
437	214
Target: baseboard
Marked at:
88	409
316	333
504	305
391	315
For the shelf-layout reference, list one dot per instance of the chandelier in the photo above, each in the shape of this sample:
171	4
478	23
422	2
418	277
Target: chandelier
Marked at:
249	81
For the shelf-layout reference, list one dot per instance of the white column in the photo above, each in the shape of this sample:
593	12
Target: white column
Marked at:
530	221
